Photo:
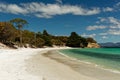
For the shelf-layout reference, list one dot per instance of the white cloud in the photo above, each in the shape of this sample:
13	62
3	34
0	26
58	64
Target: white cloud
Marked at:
104	37
115	7
114	32
94	27
47	10
43	16
90	35
114	21
100	20
110	21
108	9
12	8
103	34
111	27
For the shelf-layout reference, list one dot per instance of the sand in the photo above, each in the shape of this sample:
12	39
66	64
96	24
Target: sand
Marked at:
52	70
32	64
84	68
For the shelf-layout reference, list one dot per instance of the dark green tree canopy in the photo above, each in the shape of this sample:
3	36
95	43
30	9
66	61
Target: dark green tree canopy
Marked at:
73	40
91	40
45	33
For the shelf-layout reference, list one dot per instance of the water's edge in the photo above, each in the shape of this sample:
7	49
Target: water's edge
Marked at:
105	61
83	68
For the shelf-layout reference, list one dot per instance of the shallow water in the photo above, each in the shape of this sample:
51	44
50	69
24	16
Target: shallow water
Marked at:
105	57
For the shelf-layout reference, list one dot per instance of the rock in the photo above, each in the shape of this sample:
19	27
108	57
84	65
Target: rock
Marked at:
2	46
93	45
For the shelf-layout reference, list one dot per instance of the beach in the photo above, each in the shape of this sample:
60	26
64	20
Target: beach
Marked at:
52	70
85	68
46	64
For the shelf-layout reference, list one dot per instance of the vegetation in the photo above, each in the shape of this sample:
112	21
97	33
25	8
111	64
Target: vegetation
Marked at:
19	23
90	40
76	41
6	31
11	33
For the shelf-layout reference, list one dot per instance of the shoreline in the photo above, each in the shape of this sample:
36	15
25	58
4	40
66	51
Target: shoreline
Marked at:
85	62
83	67
52	70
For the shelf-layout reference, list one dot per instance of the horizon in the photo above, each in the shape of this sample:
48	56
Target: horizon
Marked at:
61	17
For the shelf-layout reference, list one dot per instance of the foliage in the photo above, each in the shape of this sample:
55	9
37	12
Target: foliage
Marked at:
28	36
19	23
6	31
91	40
73	40
83	42
47	38
57	42
76	41
12	36
40	42
45	33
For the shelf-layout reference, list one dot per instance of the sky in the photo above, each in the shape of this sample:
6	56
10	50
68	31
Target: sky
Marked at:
99	19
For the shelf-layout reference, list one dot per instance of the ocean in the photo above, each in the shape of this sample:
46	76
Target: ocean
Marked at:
108	58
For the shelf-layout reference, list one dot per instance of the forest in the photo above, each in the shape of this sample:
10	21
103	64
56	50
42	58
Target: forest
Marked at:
12	34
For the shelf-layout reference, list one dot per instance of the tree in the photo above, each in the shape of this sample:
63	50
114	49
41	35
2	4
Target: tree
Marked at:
83	42
38	34
45	33
91	40
6	31
40	42
28	37
57	42
73	40
19	23
47	38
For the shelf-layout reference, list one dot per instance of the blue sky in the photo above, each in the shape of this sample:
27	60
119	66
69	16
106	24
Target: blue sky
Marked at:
99	19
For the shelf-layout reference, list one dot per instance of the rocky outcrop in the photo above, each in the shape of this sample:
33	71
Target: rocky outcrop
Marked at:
93	45
2	46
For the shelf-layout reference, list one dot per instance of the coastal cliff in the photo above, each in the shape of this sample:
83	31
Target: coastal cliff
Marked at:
93	45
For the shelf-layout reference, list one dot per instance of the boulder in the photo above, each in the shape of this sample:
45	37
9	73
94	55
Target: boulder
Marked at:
93	45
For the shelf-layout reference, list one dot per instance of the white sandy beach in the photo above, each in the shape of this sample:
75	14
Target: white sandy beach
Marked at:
13	66
32	64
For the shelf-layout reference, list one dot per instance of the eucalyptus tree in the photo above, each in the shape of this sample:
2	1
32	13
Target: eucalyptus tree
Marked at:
19	23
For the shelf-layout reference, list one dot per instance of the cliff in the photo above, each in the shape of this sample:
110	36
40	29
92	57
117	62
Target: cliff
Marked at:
93	45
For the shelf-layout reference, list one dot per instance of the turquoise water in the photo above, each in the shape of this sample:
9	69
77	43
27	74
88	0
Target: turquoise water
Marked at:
105	57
